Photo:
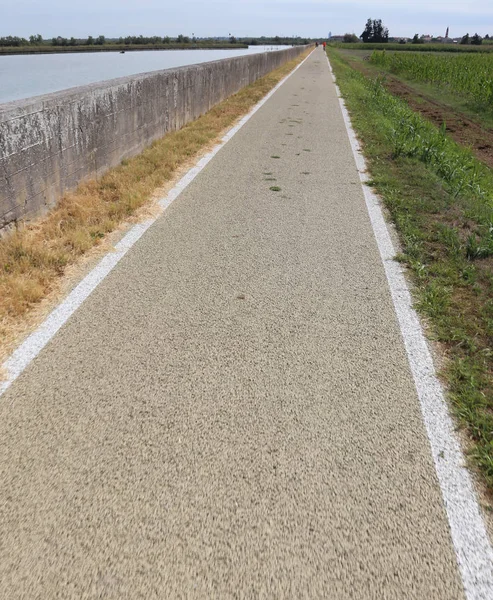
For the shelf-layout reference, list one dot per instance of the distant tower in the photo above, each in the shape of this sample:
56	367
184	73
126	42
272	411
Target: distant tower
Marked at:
446	34
330	34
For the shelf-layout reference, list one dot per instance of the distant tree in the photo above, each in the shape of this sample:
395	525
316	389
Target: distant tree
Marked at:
232	40
73	41
13	41
141	40
486	37
36	40
180	39
476	40
417	40
375	32
368	32
350	38
465	40
90	41
166	39
402	41
100	40
59	41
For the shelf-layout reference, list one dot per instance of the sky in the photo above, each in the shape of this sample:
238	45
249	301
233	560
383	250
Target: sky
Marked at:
306	18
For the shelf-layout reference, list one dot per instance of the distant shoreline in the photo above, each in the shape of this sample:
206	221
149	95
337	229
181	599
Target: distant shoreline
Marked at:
9	51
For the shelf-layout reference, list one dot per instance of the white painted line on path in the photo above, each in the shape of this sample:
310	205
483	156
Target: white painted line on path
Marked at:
33	344
469	536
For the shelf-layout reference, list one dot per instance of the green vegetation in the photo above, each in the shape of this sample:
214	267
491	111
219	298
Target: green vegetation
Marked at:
375	32
440	198
413	47
17	42
432	100
276	40
475	40
350	38
35	44
114	48
469	76
100	40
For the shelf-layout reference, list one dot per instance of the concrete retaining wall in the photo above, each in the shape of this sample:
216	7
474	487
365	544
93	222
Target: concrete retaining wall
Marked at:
48	144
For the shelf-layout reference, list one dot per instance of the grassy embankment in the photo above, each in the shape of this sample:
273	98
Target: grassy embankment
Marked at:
440	198
34	258
46	49
414	47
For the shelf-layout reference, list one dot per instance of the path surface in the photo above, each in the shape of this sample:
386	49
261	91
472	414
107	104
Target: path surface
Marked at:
231	413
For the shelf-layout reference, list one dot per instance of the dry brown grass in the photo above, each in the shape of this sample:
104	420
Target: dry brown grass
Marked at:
35	258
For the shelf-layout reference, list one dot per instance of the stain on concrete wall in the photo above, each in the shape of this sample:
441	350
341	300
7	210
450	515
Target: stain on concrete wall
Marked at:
48	144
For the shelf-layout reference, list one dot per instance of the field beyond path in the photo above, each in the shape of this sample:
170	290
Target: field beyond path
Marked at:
231	413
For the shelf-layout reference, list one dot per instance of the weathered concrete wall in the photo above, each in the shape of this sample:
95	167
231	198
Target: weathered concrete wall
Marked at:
48	144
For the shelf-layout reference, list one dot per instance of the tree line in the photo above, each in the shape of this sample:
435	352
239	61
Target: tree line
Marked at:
14	41
101	40
140	40
376	32
475	40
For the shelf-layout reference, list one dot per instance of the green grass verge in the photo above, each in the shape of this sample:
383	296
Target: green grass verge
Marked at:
441	201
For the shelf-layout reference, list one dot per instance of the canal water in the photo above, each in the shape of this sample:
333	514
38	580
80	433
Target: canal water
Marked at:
23	76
